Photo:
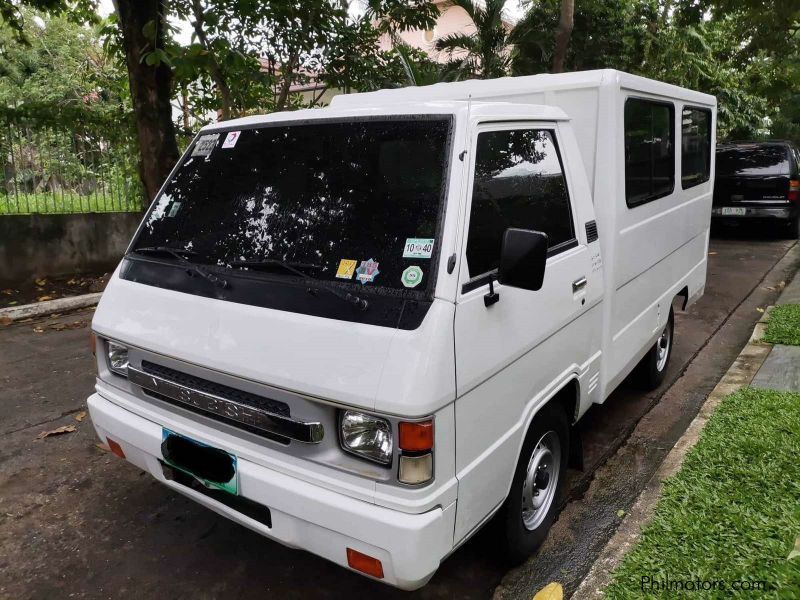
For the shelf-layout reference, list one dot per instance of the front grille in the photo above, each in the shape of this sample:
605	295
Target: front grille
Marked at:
217	389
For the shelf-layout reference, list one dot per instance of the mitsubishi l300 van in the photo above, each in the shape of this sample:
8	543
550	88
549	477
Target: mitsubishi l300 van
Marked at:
369	329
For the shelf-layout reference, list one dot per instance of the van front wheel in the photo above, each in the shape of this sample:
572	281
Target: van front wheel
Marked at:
532	503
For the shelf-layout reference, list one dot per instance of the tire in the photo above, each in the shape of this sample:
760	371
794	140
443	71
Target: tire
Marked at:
652	370
521	527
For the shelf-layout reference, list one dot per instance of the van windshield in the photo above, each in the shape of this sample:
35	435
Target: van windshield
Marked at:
754	159
355	202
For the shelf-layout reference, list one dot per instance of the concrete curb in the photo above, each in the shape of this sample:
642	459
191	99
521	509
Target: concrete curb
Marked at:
740	374
26	311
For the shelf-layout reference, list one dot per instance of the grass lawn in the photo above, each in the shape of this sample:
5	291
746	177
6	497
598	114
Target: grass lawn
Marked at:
731	514
66	202
784	326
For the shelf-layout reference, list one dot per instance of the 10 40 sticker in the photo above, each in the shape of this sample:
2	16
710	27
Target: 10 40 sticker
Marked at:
418	248
412	276
367	271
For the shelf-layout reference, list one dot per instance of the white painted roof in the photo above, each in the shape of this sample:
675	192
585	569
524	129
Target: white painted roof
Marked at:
510	86
486	110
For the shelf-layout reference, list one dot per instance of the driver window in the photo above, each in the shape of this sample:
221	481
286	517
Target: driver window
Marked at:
518	182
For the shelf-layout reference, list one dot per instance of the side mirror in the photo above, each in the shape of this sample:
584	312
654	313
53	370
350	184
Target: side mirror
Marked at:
523	256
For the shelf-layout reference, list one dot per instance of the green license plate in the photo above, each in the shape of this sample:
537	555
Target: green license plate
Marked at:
212	467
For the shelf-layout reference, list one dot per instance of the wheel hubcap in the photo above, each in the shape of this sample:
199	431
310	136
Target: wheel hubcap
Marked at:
663	345
541	479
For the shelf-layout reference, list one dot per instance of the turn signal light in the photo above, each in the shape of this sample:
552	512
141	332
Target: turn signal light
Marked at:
794	190
115	448
364	564
416	437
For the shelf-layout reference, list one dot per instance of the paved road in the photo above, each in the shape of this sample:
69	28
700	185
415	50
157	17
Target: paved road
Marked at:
75	521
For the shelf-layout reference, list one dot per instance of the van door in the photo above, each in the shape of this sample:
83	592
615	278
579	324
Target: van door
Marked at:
512	355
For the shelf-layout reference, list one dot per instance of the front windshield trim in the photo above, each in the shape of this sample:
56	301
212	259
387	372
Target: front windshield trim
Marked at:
426	293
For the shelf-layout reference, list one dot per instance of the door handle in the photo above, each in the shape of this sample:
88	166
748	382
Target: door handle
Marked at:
579	284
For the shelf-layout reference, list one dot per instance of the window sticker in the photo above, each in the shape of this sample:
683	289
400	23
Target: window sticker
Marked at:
418	248
367	271
205	145
173	210
412	276
346	268
231	139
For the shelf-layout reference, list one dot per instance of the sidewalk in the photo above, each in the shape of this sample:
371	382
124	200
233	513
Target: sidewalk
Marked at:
673	529
781	370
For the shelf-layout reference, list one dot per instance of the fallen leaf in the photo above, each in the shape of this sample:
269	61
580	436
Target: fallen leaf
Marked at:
552	591
6	321
72	282
80	416
38	330
761	310
40	282
103	446
13	302
620	513
8	292
57	431
796	552
44	298
58	327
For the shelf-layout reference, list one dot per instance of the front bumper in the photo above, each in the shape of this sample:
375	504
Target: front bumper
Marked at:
757	212
326	523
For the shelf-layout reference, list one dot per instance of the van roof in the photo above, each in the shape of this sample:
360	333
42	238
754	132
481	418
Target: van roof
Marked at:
507	87
509	110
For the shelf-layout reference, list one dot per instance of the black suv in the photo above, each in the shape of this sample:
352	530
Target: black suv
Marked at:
758	180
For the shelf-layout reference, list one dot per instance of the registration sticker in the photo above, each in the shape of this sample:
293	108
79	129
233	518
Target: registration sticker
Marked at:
412	276
173	210
367	271
346	269
231	139
205	145
418	248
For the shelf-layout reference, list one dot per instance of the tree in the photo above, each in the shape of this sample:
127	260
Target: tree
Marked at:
491	49
563	33
143	25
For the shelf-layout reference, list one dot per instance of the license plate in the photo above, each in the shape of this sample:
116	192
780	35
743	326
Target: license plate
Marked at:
733	211
212	467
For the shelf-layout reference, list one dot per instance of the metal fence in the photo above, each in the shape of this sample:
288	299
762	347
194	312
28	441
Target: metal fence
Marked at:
61	170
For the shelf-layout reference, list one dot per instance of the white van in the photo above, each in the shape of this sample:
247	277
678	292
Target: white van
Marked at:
365	330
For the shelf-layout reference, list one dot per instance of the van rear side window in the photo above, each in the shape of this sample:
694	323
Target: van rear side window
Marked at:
649	150
695	146
519	182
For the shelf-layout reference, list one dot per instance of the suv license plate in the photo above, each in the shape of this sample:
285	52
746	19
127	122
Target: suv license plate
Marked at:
733	211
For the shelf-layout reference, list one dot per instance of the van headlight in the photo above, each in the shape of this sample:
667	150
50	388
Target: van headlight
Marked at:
367	436
118	358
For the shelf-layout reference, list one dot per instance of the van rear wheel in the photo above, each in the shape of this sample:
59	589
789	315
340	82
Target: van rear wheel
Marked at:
532	503
652	370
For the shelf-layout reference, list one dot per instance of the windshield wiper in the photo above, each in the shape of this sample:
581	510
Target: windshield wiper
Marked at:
181	254
267	263
296	269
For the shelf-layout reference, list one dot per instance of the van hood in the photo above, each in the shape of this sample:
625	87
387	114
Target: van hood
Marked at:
406	372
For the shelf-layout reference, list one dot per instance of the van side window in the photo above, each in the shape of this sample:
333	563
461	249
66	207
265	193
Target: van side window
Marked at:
519	182
695	146
649	150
